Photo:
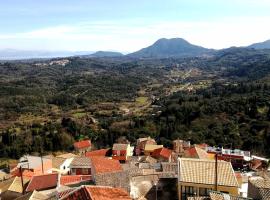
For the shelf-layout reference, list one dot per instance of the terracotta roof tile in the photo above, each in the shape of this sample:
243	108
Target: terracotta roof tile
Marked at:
42	182
26	173
82	144
97	193
65	192
106	193
196	152
103	165
80	162
162	152
73	179
100	152
203	172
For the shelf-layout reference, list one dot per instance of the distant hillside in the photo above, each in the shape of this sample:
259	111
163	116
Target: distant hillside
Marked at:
243	62
176	47
261	45
105	54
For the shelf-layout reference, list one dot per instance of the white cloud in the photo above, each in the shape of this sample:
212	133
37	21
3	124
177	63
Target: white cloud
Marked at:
132	35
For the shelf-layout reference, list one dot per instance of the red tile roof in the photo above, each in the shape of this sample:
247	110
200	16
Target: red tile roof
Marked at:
97	193
80	162
100	152
107	193
82	144
26	173
162	152
103	165
196	152
65	192
42	182
73	179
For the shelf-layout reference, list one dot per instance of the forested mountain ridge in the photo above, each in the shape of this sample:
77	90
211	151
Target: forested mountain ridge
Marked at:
261	45
219	100
175	47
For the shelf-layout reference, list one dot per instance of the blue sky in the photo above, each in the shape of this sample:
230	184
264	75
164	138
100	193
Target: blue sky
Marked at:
125	25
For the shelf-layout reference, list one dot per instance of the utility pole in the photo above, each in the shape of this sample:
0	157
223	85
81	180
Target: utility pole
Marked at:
216	171
156	190
21	179
41	160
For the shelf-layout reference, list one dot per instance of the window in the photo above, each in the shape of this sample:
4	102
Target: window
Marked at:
225	192
203	191
73	171
84	171
188	191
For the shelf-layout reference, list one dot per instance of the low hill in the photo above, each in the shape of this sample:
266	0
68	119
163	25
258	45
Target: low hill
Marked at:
105	54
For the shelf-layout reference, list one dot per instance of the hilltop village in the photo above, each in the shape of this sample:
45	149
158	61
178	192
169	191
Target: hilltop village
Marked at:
145	171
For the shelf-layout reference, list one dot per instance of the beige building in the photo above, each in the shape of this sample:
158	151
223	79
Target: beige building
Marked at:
179	146
122	152
197	177
141	142
150	148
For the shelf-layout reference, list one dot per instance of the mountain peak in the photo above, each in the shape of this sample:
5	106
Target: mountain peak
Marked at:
174	47
171	40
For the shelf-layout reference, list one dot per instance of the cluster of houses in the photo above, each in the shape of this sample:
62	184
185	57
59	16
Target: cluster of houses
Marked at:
145	171
61	62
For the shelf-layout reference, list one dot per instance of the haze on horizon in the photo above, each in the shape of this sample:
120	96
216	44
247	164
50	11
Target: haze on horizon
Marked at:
127	26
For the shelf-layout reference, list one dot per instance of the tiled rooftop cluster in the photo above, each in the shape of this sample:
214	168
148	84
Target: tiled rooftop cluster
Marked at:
112	173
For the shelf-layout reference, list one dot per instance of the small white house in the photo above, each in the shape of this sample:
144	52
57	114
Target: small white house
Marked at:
61	165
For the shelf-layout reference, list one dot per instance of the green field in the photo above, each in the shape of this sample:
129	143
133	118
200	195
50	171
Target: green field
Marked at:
141	100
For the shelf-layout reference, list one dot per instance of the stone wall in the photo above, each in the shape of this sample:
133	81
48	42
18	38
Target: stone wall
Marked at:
142	183
117	179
